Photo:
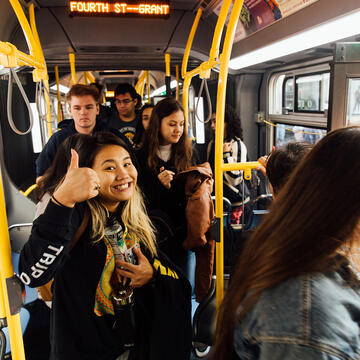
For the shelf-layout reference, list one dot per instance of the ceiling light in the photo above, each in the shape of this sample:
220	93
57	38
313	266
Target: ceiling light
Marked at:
334	30
63	89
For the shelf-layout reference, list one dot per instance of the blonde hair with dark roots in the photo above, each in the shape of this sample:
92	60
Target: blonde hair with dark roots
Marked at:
133	215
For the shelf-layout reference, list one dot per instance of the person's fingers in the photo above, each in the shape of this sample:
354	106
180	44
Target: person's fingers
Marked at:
162	169
74	162
123	265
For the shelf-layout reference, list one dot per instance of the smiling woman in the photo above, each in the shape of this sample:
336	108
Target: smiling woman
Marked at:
108	286
117	176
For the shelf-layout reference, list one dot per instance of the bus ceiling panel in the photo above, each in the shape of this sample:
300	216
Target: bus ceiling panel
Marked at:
8	21
138	39
315	14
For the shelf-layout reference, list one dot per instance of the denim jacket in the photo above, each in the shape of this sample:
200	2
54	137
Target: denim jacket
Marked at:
310	317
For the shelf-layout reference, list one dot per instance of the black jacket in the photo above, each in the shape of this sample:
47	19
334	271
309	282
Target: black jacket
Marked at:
166	207
162	308
66	129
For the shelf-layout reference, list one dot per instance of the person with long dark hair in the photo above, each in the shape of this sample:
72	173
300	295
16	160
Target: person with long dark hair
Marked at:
167	151
112	287
234	150
142	125
296	292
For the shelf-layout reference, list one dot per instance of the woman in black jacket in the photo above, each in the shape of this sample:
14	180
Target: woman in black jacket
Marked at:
113	292
167	150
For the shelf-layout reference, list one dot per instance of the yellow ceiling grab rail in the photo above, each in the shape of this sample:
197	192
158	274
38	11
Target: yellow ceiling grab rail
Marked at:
204	70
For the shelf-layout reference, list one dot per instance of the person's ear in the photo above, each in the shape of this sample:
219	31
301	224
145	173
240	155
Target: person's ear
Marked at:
69	108
97	109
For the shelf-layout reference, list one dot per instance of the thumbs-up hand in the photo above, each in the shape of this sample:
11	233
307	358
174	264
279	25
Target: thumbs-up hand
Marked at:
79	183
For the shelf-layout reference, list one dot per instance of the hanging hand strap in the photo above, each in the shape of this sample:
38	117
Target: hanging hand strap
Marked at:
12	74
208	101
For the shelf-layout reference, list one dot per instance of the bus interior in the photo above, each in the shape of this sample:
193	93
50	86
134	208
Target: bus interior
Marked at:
285	78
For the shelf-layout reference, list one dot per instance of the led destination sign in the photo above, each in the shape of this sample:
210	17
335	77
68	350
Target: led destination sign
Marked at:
143	8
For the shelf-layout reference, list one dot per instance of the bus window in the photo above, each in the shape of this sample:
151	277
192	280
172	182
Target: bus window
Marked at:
288	95
353	102
312	93
285	133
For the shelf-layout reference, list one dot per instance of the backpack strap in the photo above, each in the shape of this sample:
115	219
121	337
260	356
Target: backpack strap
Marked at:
45	290
80	230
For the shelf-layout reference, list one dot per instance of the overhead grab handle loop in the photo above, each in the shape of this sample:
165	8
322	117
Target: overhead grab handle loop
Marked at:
12	74
208	101
40	88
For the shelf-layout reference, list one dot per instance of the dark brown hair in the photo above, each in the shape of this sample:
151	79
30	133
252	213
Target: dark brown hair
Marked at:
316	213
282	162
83	90
140	131
87	148
181	152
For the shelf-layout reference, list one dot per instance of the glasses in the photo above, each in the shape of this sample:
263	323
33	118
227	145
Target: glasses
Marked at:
125	102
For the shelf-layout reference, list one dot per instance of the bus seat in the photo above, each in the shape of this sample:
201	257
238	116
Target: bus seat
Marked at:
256	218
204	320
31	294
19	235
24	320
204	317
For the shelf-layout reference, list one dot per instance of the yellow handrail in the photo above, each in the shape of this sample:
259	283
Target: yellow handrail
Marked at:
72	68
148	87
177	82
189	43
204	70
29	190
139	87
58	93
90	76
219	139
7	271
167	64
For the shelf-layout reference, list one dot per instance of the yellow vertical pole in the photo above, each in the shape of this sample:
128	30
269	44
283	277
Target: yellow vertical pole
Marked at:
219	140
186	86
167	64
58	93
148	87
2	303
167	74
72	68
7	271
90	77
48	110
177	82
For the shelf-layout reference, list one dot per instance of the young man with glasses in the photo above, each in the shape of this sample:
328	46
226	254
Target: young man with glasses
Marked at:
125	119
